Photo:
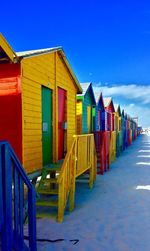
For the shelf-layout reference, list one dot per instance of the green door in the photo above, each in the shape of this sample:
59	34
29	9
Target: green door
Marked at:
47	125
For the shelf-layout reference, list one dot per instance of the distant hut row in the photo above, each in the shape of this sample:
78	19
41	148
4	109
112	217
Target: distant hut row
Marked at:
60	129
42	105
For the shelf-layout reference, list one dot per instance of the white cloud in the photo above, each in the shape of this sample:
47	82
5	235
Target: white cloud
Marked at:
143	114
137	92
131	105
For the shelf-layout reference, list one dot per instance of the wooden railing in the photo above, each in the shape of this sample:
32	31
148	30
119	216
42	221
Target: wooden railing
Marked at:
66	181
119	144
16	188
112	148
80	158
86	156
100	150
102	142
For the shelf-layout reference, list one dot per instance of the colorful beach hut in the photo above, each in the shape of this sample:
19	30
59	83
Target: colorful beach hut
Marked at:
129	129
134	128
37	104
119	135
100	112
85	109
124	129
109	126
109	114
100	134
117	118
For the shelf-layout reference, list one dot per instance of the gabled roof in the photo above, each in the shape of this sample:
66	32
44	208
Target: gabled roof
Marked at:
33	53
87	87
6	52
99	97
125	115
117	109
107	101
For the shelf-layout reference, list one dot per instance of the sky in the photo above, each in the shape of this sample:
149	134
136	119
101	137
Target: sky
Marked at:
106	42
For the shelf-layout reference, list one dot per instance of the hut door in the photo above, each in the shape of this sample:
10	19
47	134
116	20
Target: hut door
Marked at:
62	125
46	125
89	118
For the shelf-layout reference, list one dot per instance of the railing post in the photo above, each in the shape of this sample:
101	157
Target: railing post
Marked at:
32	219
1	192
91	152
61	201
72	190
7	230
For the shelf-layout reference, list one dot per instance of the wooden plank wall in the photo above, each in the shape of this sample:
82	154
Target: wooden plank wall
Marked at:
88	101
50	71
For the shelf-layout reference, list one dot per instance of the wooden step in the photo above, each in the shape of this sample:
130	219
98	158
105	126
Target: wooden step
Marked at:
49	180
48	191
54	167
52	203
46	215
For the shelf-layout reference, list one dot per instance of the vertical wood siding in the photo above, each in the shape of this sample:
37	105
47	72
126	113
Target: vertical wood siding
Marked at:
50	71
65	81
88	101
79	116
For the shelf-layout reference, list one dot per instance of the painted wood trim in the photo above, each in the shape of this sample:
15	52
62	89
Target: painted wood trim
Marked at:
7	48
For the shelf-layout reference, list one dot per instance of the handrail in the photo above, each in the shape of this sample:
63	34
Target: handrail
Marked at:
73	166
102	140
16	186
112	155
66	181
85	146
66	161
119	143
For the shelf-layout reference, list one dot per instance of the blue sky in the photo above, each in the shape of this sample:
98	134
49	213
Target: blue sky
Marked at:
107	42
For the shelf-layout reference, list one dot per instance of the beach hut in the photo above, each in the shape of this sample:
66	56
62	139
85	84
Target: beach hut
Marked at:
100	135
119	135
109	126
129	129
37	104
100	113
124	129
85	109
134	129
117	118
109	114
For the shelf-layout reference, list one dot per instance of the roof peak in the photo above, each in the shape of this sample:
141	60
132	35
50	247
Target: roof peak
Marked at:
38	51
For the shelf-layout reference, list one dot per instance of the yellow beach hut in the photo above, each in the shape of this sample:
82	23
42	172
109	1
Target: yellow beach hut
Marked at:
38	88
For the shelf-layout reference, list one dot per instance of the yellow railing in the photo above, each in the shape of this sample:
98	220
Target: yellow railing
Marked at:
66	182
80	158
86	156
112	148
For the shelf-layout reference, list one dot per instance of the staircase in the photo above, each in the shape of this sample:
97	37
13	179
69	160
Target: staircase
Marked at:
48	188
102	141
56	188
15	189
